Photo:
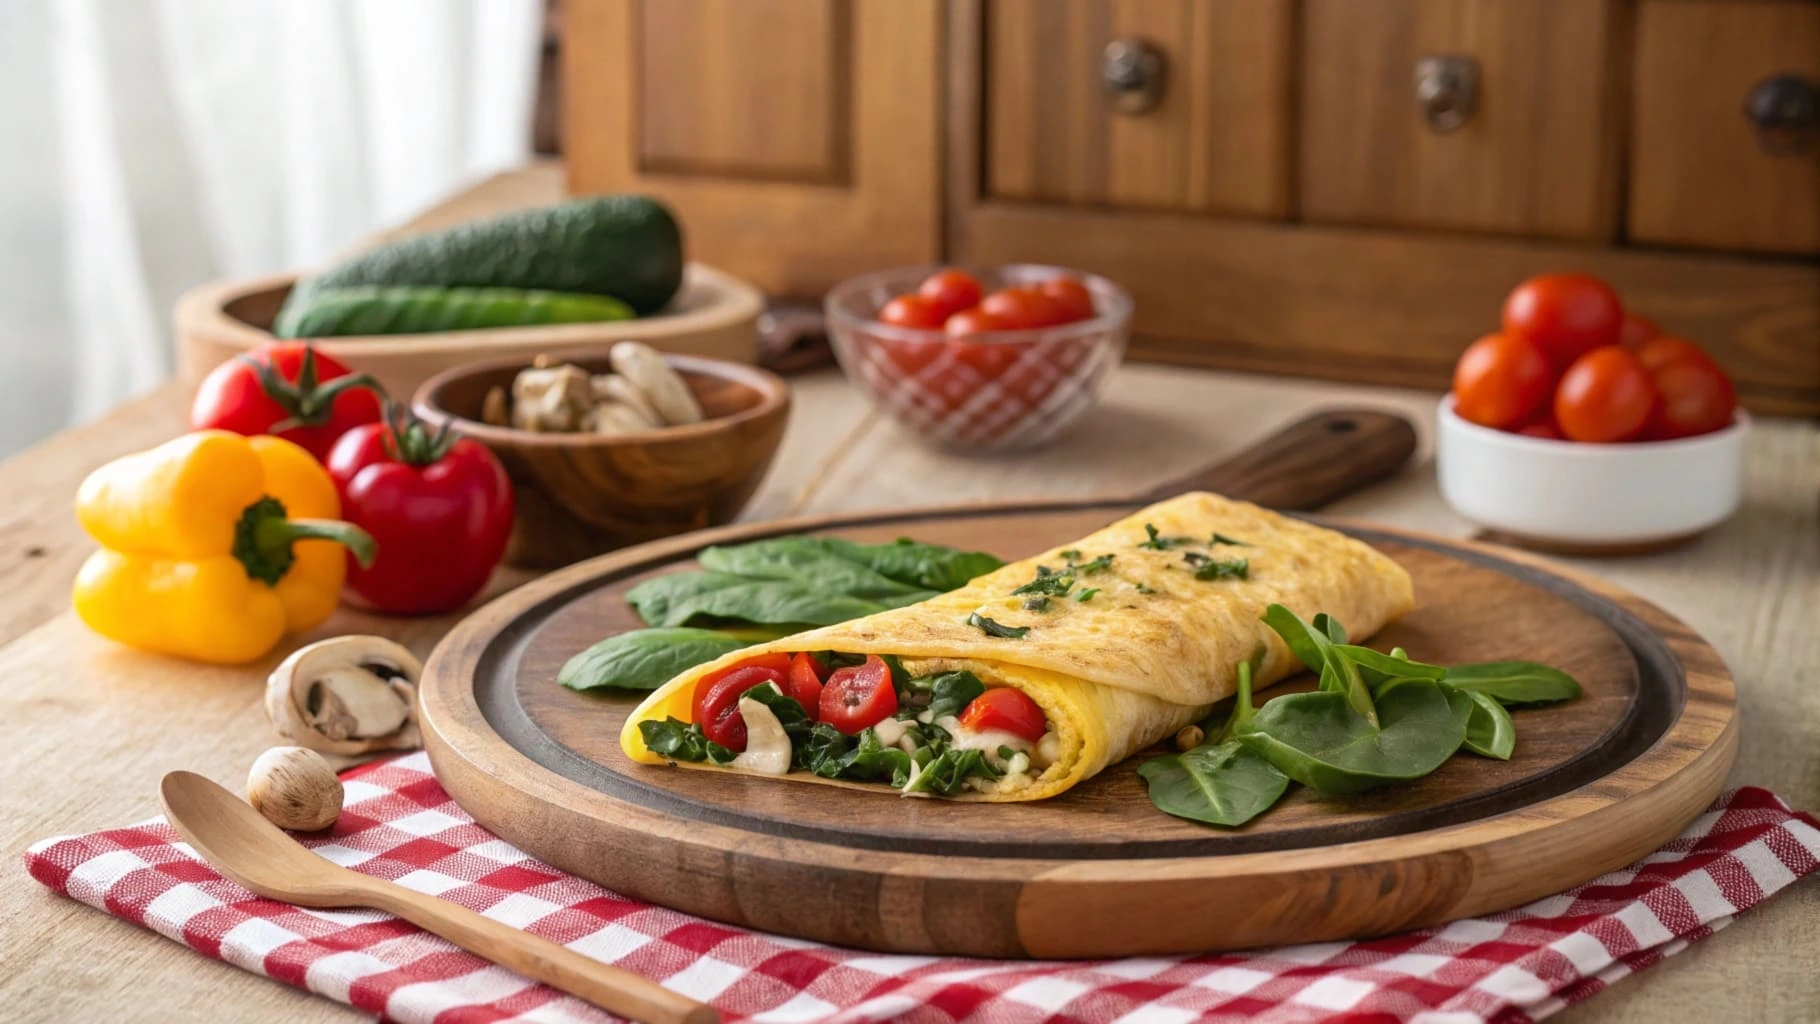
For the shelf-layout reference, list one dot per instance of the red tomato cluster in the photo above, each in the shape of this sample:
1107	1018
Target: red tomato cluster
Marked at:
953	301
1571	364
853	698
439	505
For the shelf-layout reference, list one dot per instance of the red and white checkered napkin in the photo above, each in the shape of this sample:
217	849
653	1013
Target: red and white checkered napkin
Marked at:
400	825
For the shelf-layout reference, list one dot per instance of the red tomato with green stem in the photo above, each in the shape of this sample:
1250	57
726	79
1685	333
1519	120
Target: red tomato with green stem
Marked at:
951	291
1501	381
289	390
1568	315
439	505
1005	709
858	697
1606	396
1070	297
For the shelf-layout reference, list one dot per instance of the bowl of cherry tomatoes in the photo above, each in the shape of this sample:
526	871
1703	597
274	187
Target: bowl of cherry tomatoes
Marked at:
1578	425
987	360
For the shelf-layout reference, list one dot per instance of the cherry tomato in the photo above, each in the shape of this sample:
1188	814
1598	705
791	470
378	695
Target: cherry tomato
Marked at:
1636	330
1697	398
1006	710
315	397
1543	428
1070	296
1568	315
805	683
951	291
1605	396
1656	353
988	359
859	696
913	311
1022	308
717	694
1501	381
973	321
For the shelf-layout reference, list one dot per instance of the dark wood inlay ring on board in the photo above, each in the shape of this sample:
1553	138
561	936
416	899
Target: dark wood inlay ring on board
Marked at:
540	766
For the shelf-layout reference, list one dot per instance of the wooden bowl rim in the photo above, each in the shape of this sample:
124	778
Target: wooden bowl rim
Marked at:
205	307
773	397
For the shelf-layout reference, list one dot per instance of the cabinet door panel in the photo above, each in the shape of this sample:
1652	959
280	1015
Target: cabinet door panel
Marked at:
744	88
1538	156
1217	141
1699	173
797	140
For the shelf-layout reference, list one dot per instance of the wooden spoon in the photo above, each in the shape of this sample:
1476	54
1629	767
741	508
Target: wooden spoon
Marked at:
246	848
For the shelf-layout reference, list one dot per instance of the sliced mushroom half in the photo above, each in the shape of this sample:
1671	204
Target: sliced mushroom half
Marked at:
347	695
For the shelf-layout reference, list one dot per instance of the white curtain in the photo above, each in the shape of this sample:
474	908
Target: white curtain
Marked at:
149	145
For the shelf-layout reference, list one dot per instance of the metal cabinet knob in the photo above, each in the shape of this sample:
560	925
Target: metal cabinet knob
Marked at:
1447	90
1786	111
1131	75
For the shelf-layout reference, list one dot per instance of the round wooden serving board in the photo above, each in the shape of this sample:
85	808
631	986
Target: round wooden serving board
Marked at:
1594	784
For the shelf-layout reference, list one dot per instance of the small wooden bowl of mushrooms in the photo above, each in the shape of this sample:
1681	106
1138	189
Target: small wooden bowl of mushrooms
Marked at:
615	448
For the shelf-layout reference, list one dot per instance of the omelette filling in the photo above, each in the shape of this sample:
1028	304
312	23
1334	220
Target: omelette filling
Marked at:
925	727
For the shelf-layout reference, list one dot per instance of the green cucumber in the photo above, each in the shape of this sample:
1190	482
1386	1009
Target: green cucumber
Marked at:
410	309
626	246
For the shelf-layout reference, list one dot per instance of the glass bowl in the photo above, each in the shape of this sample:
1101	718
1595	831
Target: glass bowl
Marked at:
996	391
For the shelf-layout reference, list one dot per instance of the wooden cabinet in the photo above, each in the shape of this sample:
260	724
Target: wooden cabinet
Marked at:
1215	139
1535	151
800	127
1291	186
1704	171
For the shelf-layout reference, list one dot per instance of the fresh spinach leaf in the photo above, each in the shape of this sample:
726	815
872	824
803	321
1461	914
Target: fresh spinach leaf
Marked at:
929	566
1321	741
947	774
1330	627
947	693
810	560
1305	642
1489	730
870	760
1377	667
696	598
644	659
992	627
1219	784
821	752
1513	682
682	741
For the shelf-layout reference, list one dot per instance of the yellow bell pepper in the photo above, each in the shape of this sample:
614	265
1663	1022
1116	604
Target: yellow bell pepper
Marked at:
200	554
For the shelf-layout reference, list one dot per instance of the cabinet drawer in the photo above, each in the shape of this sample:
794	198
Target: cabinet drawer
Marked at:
1536	153
1703	172
1216	139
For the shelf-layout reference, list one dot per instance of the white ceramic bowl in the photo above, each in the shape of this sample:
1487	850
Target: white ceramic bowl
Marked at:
1568	494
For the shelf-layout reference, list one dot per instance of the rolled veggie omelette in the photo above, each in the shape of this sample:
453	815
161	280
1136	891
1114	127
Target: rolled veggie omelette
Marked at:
1034	677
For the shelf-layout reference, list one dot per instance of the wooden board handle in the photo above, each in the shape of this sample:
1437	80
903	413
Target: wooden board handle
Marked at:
611	988
1309	463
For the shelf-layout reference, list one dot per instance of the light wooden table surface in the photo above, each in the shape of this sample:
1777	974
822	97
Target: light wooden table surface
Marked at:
87	733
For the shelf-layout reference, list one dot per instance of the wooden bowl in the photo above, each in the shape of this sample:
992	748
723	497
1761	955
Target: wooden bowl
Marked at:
714	315
579	495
